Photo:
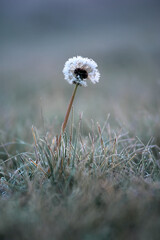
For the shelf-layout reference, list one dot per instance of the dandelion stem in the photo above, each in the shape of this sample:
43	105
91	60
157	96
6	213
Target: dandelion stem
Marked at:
67	115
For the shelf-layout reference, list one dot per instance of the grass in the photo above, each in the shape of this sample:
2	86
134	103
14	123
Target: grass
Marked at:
103	185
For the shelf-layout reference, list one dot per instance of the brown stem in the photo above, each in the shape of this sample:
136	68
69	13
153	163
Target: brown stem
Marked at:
67	115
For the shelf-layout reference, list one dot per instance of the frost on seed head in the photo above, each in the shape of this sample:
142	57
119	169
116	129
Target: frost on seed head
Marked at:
78	69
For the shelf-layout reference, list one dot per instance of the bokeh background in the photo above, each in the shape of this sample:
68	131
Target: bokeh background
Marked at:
37	37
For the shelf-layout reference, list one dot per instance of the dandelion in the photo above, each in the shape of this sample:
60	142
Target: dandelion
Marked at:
78	70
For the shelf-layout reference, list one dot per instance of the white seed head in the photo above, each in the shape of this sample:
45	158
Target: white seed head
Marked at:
78	69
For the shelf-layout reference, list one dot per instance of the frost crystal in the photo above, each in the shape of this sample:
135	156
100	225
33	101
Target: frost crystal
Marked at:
79	69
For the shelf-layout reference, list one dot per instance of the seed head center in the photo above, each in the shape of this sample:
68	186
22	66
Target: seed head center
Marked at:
81	73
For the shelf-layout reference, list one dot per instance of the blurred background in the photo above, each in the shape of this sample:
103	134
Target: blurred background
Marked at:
36	39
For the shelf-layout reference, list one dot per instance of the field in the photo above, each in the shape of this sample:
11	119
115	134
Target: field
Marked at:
104	181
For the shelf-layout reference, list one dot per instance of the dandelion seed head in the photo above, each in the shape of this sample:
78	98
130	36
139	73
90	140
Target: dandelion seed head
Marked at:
78	69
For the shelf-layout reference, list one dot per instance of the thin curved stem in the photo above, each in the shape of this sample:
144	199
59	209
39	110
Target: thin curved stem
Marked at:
67	115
